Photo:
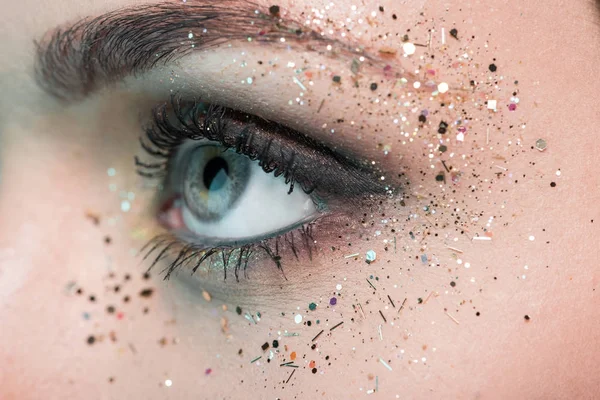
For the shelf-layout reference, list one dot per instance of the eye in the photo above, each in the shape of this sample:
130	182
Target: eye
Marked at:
224	198
234	185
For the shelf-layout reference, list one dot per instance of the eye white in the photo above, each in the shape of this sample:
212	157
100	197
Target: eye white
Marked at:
263	209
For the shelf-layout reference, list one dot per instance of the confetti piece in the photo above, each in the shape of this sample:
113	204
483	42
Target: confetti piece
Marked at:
335	326
370	256
381	360
318	334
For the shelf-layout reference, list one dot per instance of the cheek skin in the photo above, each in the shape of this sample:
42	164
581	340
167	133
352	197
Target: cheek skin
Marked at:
477	328
460	333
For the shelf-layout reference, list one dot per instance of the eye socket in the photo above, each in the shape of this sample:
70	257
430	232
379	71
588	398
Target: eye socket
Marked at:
223	198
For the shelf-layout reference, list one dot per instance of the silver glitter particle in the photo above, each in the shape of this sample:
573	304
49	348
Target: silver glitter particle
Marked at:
125	206
370	256
541	144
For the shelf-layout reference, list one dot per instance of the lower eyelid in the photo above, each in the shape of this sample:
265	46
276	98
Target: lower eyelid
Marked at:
175	257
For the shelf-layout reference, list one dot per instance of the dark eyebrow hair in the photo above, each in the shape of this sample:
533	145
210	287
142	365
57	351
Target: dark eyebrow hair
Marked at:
73	62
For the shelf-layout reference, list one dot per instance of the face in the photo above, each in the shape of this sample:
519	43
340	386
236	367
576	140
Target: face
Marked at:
314	198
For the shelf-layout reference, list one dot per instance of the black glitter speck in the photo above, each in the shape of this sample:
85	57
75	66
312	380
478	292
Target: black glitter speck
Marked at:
442	128
274	10
493	67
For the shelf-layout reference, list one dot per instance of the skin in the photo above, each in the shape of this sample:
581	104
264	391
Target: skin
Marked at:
468	339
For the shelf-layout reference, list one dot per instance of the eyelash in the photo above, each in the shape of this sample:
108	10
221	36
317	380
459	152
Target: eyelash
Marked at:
194	256
193	121
163	138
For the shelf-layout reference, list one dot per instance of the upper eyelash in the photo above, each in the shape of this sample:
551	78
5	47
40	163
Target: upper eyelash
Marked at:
298	158
165	137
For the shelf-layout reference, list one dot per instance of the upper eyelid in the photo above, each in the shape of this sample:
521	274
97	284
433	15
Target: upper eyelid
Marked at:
358	178
74	61
338	174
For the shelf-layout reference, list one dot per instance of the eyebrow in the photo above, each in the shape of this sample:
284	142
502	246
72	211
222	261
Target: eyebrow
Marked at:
74	61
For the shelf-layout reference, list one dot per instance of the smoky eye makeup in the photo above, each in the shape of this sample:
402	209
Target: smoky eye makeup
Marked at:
236	189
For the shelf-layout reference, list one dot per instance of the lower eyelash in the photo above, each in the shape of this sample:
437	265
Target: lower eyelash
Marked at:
193	256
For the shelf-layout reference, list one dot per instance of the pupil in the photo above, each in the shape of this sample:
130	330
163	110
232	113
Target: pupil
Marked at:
215	173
